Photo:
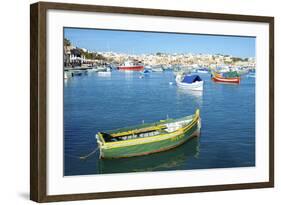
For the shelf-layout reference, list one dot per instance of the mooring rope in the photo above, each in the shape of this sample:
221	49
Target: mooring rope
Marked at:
90	154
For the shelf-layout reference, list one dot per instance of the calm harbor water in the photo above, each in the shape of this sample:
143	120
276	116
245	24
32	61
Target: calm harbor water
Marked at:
95	103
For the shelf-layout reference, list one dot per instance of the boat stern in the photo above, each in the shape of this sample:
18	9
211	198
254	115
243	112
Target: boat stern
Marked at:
100	141
197	115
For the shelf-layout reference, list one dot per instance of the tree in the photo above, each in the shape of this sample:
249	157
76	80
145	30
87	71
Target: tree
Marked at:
89	55
66	42
234	59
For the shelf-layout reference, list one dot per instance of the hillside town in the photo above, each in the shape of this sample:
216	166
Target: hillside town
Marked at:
82	57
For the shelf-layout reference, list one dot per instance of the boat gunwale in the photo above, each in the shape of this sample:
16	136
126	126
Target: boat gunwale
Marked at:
156	138
146	125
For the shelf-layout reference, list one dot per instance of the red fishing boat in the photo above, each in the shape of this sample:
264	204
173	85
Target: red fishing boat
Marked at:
130	66
216	77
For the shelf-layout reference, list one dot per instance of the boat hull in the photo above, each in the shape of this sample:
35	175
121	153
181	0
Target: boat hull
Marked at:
226	80
197	86
154	144
202	71
145	149
168	160
131	68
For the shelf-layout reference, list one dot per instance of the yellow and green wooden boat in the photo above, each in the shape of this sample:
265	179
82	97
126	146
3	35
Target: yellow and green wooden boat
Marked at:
148	138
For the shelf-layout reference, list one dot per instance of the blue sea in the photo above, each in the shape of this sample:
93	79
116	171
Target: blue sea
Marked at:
94	103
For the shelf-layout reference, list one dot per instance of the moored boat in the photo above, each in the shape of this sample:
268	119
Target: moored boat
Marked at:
93	69
190	82
102	68
130	66
104	71
202	70
76	73
219	78
157	69
251	74
148	138
107	72
145	71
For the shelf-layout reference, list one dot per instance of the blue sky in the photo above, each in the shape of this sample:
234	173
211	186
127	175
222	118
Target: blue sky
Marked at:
150	42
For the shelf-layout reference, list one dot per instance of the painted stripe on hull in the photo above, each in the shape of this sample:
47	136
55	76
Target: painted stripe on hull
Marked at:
196	134
225	80
133	68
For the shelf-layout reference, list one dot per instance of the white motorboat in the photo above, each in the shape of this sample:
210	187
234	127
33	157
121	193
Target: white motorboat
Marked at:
191	82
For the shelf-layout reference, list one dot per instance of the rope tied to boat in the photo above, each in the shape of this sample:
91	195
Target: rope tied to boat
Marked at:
88	155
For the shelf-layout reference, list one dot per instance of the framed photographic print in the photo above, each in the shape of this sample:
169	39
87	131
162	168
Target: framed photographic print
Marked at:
135	102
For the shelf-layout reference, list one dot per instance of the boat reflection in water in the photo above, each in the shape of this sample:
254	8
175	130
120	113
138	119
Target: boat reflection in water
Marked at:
195	95
128	74
173	159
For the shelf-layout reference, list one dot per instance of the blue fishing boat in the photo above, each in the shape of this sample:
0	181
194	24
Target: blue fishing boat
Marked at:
145	71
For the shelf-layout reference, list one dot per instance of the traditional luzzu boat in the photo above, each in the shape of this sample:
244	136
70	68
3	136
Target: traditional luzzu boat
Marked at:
190	82
219	78
148	138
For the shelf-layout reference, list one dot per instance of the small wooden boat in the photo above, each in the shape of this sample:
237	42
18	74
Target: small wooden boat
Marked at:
218	78
190	82
148	138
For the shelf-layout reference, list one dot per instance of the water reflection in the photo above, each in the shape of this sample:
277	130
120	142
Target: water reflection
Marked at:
195	94
67	82
104	74
93	103
169	160
128	75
